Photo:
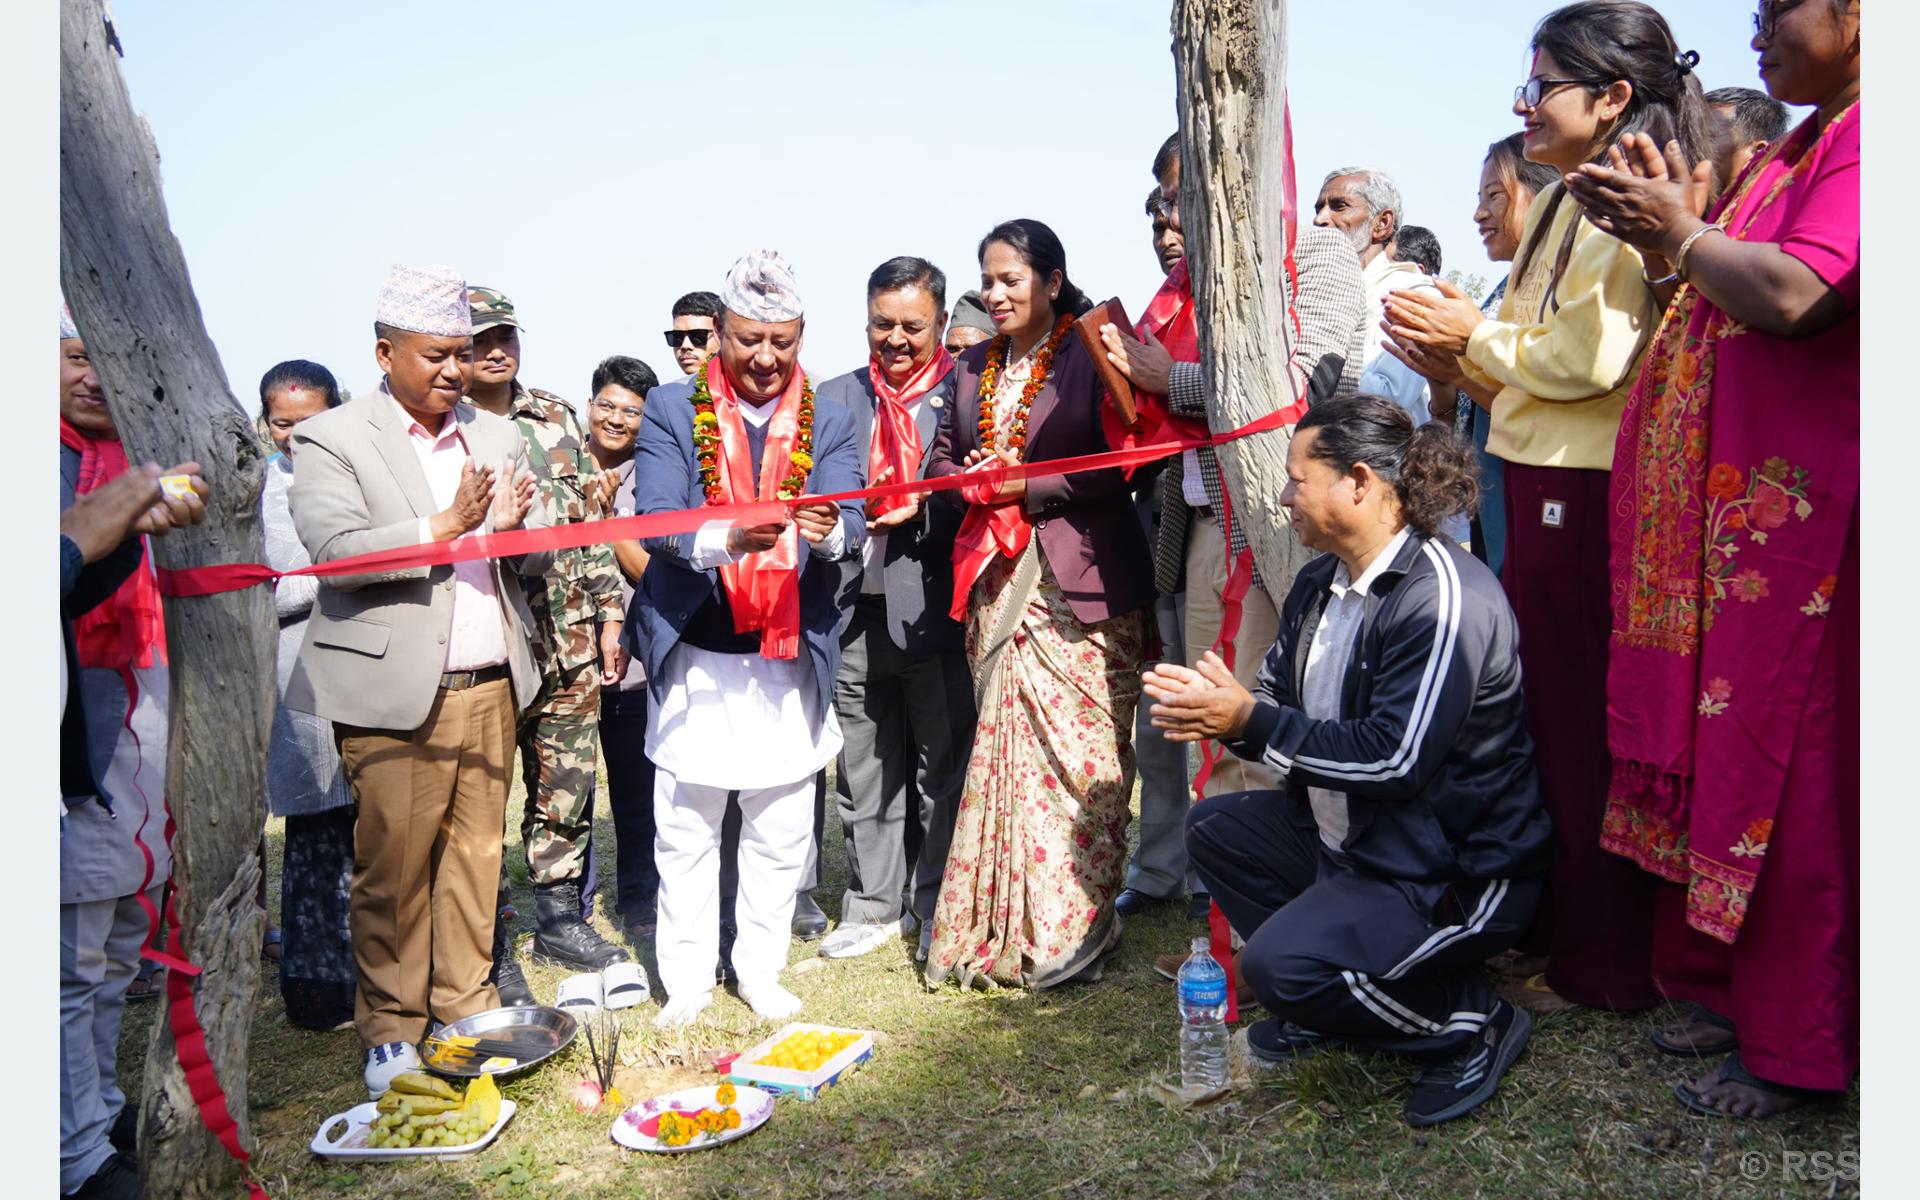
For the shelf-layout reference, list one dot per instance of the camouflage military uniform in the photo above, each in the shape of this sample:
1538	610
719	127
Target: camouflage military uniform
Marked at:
558	746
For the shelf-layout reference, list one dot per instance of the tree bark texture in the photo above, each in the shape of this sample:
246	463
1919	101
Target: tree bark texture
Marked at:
126	283
1230	61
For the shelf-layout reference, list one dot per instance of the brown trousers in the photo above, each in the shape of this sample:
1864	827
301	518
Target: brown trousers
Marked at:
426	859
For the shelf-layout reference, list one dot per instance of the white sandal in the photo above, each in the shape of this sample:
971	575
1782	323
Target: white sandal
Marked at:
626	985
581	995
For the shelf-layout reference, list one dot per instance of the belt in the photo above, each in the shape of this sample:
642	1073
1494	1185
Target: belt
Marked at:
454	681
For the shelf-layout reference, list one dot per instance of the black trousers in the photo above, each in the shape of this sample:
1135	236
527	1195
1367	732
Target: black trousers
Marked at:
1387	964
907	722
623	746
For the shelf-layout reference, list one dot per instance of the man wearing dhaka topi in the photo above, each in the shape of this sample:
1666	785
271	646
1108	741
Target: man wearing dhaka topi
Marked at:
738	626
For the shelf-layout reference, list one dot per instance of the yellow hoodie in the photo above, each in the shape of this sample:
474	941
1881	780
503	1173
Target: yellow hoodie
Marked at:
1564	375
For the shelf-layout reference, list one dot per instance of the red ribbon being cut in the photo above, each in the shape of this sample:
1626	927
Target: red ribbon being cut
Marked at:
229	577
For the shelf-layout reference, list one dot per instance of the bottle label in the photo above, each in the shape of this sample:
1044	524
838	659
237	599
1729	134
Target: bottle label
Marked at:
1205	993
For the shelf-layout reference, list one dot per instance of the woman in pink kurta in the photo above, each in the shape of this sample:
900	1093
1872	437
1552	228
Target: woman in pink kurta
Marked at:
1733	688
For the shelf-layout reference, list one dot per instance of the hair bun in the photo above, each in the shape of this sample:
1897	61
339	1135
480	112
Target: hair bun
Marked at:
1685	61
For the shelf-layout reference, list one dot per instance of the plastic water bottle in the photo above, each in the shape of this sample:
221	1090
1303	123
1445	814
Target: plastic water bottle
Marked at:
1203	1024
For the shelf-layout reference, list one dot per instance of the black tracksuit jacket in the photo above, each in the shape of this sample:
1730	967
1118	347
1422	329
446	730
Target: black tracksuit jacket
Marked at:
1432	748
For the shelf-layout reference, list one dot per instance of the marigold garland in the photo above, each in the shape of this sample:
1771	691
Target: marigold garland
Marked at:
706	440
990	376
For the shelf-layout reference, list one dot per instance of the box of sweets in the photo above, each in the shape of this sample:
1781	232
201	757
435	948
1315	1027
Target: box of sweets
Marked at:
802	1060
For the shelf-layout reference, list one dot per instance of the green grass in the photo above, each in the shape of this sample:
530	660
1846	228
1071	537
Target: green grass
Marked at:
1011	1094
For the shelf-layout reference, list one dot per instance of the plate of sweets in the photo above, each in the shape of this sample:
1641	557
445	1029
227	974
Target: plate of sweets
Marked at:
697	1118
802	1060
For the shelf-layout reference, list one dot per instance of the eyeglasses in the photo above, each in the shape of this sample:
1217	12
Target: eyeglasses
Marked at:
1766	18
697	336
1530	93
607	408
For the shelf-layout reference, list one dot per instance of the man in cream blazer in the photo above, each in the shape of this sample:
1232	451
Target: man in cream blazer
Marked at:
422	670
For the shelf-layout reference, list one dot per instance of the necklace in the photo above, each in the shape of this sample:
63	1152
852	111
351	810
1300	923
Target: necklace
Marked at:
990	377
706	441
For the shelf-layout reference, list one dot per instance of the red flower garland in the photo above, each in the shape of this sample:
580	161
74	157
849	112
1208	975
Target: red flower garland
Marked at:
706	440
990	374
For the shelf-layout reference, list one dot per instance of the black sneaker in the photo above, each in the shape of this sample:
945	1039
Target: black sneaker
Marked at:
1274	1040
117	1179
1459	1085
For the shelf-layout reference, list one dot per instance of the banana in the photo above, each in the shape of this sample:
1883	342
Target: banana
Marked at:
418	1105
418	1083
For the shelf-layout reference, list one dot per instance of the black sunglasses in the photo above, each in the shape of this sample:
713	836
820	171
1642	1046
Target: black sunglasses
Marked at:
675	337
1766	18
1530	93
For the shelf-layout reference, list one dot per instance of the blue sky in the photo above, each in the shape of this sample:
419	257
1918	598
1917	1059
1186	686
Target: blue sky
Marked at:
595	161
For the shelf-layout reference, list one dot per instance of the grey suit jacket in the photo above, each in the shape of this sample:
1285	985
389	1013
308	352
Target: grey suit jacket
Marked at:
376	644
918	567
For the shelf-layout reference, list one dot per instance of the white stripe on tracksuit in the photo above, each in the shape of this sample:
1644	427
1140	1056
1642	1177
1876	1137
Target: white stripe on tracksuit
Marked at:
1445	634
1369	993
1442	938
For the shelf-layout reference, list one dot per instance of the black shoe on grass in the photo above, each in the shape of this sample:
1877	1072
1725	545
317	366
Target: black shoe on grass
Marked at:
1454	1088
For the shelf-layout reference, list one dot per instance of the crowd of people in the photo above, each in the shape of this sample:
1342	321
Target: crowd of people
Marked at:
1566	655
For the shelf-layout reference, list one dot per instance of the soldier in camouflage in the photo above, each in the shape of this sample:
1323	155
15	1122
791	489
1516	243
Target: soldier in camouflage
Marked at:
577	614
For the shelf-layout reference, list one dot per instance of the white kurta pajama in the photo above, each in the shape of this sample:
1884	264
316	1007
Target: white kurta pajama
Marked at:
733	724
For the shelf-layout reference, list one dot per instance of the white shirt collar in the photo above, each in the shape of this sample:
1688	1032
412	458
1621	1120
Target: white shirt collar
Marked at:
1381	561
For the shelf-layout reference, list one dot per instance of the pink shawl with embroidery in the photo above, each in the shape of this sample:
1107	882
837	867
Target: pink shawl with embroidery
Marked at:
1736	481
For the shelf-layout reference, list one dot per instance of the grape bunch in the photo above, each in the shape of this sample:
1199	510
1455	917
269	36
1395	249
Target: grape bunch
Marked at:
406	1130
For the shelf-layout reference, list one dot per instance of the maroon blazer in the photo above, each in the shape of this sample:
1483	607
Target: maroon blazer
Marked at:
1088	527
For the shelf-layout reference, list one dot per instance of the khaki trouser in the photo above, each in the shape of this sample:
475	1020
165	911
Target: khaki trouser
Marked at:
1259	627
426	859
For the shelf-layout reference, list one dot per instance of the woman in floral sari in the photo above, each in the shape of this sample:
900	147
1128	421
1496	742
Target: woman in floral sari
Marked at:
1053	579
1733	693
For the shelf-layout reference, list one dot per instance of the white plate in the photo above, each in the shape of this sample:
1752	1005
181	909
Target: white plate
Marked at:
352	1144
754	1105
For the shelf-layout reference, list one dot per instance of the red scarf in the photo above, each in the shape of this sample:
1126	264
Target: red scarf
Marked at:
990	527
1170	318
763	588
127	630
896	435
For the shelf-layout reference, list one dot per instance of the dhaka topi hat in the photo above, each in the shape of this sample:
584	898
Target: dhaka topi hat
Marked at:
761	287
490	307
970	312
430	300
67	328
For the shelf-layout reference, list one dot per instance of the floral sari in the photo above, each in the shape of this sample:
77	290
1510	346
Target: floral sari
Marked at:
1039	846
1735	494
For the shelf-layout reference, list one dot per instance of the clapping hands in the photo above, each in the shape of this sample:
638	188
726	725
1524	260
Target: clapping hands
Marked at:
1197	703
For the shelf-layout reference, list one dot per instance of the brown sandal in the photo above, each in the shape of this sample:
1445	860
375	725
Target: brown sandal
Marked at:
1534	995
148	984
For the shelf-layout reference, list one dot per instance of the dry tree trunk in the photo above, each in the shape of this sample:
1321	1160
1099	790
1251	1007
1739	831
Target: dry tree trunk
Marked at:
1230	59
126	282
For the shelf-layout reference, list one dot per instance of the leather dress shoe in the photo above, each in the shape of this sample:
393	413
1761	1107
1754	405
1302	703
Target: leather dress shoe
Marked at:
1199	907
562	937
809	923
1132	901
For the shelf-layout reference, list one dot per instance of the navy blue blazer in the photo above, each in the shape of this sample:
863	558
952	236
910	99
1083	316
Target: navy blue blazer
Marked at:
667	478
918	567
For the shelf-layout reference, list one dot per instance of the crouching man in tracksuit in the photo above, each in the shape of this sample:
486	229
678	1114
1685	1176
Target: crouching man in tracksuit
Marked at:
1408	844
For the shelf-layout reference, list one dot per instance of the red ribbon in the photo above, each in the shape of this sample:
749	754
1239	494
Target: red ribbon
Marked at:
189	1039
228	577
